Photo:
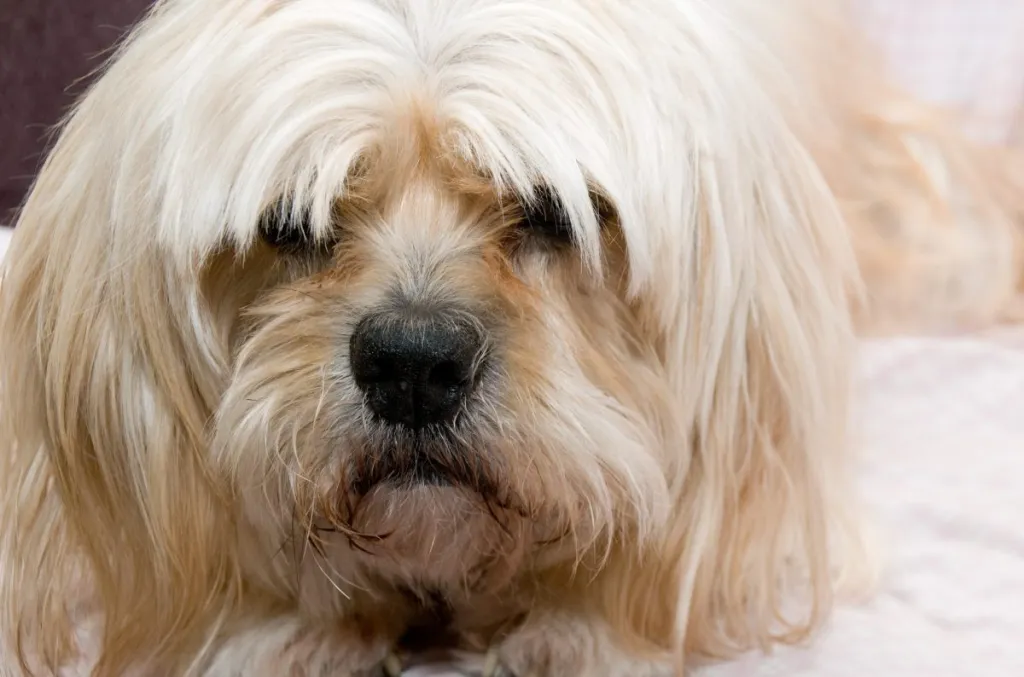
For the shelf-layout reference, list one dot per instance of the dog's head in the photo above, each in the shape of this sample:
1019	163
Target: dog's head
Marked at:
448	278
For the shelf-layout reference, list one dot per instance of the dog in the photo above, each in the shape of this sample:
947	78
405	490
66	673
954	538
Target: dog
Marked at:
331	325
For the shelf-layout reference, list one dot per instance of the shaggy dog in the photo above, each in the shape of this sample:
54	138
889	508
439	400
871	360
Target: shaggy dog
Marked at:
330	322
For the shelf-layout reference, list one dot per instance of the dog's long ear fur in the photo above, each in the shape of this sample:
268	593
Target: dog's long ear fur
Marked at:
108	384
748	294
755	331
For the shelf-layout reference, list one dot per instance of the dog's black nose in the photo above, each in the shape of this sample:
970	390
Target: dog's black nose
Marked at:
415	369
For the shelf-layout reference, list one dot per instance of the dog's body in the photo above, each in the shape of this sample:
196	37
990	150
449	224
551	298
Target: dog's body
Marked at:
533	319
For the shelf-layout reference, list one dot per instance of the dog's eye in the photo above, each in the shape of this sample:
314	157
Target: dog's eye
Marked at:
544	215
288	233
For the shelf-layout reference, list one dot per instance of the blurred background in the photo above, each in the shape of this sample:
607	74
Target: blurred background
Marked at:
968	54
47	50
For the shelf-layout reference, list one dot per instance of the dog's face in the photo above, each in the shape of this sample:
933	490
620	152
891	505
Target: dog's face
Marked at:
441	352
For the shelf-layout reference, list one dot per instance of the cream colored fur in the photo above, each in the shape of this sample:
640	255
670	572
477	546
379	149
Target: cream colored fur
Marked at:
665	432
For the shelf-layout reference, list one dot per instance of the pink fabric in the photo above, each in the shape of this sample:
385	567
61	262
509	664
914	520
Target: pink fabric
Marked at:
943	436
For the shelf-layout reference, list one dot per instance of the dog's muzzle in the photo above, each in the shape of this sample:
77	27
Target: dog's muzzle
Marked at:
418	368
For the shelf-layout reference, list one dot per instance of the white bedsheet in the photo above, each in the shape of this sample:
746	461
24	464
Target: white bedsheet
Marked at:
942	425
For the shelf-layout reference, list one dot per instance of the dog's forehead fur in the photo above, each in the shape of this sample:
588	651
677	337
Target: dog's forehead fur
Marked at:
286	97
339	80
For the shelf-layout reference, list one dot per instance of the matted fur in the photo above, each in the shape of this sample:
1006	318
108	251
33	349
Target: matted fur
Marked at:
655	465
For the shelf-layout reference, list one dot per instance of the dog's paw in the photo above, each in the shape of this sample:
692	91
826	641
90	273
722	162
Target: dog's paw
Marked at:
289	646
563	645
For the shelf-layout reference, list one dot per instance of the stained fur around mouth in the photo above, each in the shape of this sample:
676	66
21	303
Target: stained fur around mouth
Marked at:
432	456
390	459
451	454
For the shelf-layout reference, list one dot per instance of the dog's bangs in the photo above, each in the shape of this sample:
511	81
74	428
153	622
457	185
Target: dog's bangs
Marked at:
568	185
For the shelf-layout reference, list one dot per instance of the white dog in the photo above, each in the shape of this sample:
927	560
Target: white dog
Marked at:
332	323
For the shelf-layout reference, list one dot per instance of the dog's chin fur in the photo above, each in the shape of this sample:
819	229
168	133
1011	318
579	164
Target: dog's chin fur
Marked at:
652	463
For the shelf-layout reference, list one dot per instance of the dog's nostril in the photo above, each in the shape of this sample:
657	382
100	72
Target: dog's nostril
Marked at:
448	374
414	371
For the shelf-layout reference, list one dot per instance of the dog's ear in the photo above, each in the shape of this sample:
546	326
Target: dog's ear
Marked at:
747	300
110	369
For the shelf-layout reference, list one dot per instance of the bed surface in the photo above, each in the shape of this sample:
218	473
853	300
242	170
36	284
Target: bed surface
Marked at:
942	431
